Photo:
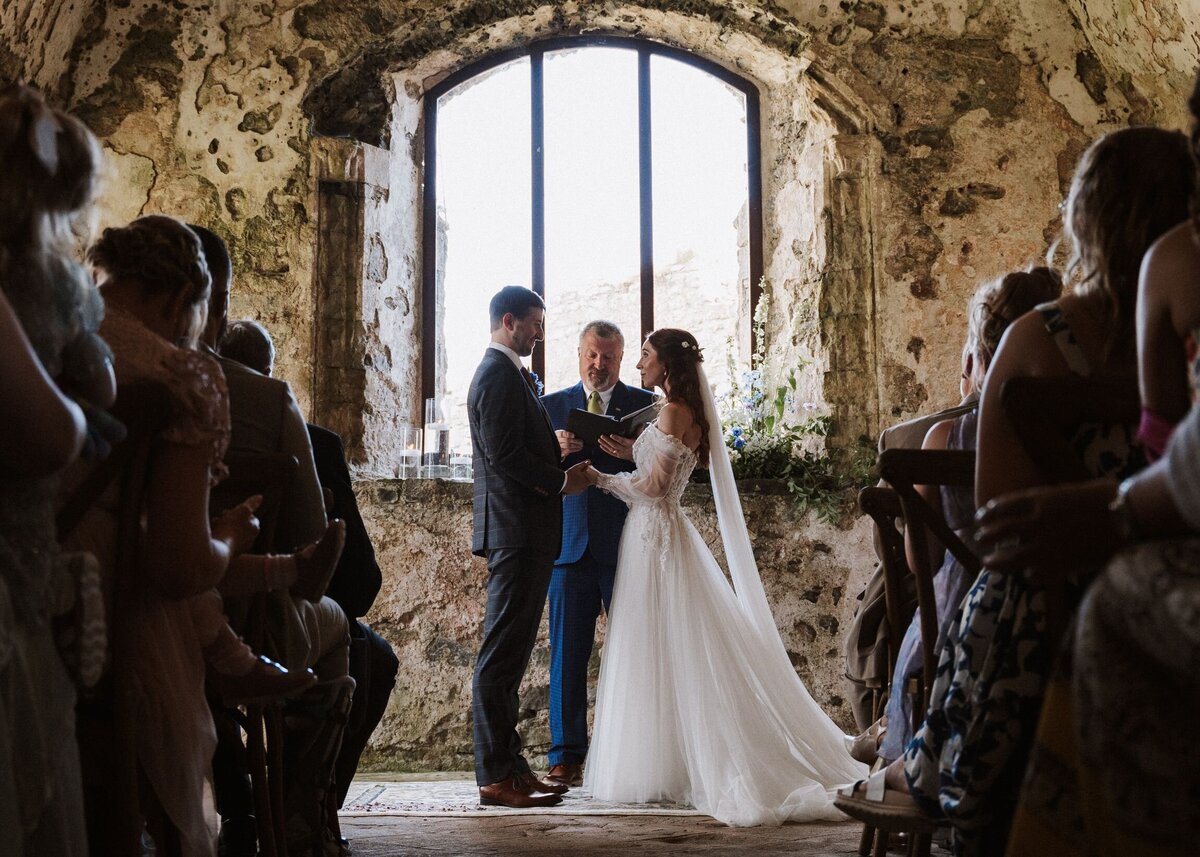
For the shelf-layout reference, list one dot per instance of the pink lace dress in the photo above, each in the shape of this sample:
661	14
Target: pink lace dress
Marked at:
162	690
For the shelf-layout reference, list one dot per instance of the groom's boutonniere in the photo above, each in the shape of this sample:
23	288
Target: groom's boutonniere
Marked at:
537	383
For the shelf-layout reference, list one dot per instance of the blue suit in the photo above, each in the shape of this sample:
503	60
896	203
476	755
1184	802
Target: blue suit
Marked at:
583	574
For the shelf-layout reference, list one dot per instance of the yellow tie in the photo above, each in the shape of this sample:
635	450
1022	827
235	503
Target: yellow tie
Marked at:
594	406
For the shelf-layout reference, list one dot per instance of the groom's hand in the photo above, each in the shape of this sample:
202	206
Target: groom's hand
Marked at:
576	478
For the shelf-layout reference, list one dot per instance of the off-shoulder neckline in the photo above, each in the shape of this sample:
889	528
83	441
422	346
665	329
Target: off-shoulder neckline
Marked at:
671	438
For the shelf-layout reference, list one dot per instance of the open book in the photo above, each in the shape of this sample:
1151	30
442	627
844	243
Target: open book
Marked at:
588	426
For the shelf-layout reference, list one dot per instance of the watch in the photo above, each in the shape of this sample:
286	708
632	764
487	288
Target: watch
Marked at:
1121	513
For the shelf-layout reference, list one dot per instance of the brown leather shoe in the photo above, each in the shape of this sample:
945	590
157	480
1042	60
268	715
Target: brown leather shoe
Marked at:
566	774
515	793
533	783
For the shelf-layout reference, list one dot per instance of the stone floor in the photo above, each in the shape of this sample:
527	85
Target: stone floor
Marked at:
590	836
581	835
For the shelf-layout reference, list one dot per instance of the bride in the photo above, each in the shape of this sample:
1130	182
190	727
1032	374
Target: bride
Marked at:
698	702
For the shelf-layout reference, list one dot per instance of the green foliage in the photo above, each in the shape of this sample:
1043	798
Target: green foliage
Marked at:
770	436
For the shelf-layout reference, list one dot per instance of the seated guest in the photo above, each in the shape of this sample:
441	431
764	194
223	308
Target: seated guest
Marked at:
1102	779
49	313
357	580
1122	786
867	648
247	342
355	584
967	761
154	283
306	628
993	308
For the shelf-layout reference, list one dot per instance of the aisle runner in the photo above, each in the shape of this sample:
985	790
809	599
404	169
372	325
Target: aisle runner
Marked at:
461	797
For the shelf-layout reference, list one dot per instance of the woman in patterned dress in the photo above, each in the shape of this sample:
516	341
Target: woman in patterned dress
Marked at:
967	762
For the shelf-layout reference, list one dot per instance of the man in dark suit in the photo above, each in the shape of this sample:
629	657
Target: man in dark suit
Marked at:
586	566
518	527
355	584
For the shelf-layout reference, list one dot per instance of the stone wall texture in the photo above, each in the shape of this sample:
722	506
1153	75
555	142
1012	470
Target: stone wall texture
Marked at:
910	151
431	610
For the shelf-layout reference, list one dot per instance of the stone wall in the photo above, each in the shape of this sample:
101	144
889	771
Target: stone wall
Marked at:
431	611
910	151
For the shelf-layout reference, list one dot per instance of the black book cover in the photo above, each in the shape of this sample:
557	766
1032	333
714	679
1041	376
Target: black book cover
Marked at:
588	426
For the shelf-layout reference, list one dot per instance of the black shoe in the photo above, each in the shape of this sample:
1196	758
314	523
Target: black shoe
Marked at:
239	837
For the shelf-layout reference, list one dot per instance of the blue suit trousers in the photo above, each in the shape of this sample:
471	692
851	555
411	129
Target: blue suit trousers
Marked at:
577	592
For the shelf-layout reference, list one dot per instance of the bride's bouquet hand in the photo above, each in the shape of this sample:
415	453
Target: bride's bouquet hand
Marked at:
616	446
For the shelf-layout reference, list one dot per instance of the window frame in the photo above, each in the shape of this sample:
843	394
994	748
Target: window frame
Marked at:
536	52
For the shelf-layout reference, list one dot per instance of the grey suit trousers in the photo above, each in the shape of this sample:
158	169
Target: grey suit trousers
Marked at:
518	580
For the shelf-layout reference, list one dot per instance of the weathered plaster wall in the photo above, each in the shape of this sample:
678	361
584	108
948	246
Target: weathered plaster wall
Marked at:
911	150
431	610
979	107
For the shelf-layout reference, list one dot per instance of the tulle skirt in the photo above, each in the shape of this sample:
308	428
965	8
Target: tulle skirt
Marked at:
694	705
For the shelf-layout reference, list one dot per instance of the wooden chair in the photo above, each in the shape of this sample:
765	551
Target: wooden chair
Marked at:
903	470
1046	413
106	728
882	505
271	476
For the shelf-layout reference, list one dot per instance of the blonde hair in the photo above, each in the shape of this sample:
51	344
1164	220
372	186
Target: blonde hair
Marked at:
1131	186
161	254
52	165
997	304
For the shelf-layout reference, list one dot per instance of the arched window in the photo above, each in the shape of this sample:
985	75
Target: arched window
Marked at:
618	178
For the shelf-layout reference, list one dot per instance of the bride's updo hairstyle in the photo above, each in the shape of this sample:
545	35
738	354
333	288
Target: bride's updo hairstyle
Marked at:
679	353
161	255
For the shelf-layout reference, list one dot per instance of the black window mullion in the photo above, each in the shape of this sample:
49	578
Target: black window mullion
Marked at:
754	204
538	190
645	192
429	267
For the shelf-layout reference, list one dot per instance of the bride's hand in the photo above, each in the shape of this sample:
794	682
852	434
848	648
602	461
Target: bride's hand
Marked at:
617	446
592	475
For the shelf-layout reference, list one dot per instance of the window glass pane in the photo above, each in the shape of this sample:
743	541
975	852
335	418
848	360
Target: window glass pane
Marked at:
484	213
701	241
592	233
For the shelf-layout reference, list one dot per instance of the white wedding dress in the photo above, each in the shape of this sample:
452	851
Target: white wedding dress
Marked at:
698	702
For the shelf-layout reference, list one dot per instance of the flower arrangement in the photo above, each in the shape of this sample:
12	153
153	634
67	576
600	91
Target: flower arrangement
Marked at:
770	435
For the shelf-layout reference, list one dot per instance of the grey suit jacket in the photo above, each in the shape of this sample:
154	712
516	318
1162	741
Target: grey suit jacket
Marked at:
265	418
518	479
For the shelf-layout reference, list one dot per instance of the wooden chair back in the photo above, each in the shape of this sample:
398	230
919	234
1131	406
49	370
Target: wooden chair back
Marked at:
269	475
115	818
904	469
1046	413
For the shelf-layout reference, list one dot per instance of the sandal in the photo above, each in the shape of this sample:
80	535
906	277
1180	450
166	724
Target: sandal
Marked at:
865	747
870	800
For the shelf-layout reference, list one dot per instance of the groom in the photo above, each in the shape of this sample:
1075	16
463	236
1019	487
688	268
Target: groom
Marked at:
518	527
592	522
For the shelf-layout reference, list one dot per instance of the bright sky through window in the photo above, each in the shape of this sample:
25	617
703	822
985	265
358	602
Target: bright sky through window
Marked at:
591	206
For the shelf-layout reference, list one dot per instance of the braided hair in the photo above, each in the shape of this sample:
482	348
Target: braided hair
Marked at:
680	356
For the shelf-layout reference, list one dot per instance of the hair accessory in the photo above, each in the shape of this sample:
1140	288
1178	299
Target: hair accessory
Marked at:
685	344
44	126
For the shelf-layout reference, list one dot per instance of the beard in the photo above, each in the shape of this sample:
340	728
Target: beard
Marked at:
598	379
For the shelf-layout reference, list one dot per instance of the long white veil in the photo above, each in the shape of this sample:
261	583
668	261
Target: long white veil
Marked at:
743	569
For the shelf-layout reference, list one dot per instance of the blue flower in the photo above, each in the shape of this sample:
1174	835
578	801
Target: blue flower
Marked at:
737	431
738	443
537	382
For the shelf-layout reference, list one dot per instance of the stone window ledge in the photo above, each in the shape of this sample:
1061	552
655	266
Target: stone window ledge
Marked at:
444	492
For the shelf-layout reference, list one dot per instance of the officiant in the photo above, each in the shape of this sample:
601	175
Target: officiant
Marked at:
583	575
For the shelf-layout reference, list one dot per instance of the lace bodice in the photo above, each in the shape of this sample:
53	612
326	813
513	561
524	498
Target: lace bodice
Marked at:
664	465
199	397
